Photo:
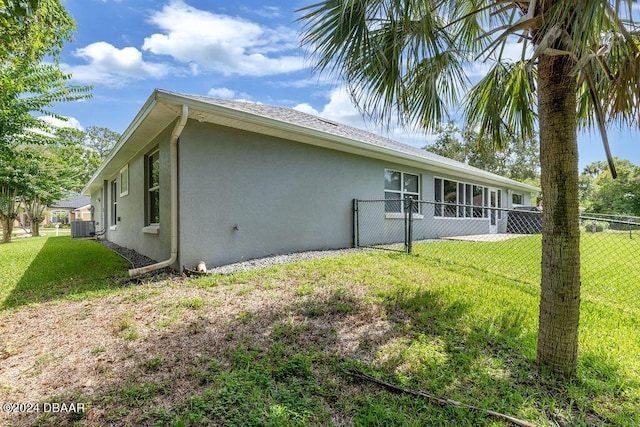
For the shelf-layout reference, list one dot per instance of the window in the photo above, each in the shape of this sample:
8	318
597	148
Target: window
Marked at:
114	202
153	188
124	181
59	217
398	186
517	199
477	201
450	198
461	200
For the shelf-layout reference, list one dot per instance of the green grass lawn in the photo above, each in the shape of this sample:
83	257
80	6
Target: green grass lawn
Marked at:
40	269
464	331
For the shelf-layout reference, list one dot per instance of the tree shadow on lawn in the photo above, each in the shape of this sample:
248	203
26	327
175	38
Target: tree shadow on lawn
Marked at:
64	268
284	363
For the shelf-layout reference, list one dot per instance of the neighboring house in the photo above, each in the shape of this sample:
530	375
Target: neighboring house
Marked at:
73	208
196	178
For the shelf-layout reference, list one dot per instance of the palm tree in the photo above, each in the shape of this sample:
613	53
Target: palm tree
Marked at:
578	65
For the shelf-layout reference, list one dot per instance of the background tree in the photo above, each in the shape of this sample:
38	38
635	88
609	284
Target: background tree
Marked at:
12	185
518	159
83	152
579	65
101	140
46	177
600	193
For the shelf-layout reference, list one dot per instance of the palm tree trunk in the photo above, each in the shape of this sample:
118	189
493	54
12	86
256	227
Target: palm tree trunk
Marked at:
560	284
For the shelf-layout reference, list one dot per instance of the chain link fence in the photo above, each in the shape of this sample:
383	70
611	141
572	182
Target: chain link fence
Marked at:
505	242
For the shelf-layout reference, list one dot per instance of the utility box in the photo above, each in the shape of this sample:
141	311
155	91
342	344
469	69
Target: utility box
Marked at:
83	229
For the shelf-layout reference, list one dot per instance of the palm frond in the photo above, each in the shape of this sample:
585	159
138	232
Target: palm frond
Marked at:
381	50
502	103
406	58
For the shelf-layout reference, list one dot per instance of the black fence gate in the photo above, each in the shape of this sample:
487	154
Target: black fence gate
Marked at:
383	224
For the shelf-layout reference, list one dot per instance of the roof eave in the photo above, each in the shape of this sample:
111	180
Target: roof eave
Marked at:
226	116
100	174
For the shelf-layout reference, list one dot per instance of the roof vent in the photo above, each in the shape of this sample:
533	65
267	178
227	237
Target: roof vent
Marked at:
329	122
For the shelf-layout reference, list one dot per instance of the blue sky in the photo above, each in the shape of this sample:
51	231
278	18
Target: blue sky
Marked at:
238	50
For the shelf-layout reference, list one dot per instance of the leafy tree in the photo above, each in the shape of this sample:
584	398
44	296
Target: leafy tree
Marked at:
101	140
579	66
12	185
26	89
31	29
46	178
83	152
600	193
80	160
518	159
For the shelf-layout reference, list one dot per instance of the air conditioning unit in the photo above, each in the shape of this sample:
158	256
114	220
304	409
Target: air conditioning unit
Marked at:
81	229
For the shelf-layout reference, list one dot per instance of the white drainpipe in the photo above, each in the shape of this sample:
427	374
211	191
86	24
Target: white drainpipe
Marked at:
173	159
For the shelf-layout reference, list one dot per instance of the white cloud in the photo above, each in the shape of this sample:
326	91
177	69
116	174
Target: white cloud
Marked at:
265	12
307	108
226	93
69	122
222	43
340	109
111	66
314	81
222	92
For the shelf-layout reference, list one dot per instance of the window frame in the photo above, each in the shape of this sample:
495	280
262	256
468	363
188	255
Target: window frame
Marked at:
113	209
513	199
402	192
149	190
123	177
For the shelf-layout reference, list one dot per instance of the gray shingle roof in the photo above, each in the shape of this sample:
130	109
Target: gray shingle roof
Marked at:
72	202
300	118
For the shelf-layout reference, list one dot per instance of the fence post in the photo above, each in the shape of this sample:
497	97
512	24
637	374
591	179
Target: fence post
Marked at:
355	231
408	218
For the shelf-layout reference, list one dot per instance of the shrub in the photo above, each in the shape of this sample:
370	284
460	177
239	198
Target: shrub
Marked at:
600	226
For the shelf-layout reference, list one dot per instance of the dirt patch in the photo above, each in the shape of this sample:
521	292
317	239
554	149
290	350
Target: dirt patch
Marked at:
158	332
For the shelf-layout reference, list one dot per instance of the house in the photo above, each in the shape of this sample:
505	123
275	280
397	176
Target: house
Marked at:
196	178
75	207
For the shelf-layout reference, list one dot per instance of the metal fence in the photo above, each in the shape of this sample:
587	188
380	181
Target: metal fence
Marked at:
384	224
504	242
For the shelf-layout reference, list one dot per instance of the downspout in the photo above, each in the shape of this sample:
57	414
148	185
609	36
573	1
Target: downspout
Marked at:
173	159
